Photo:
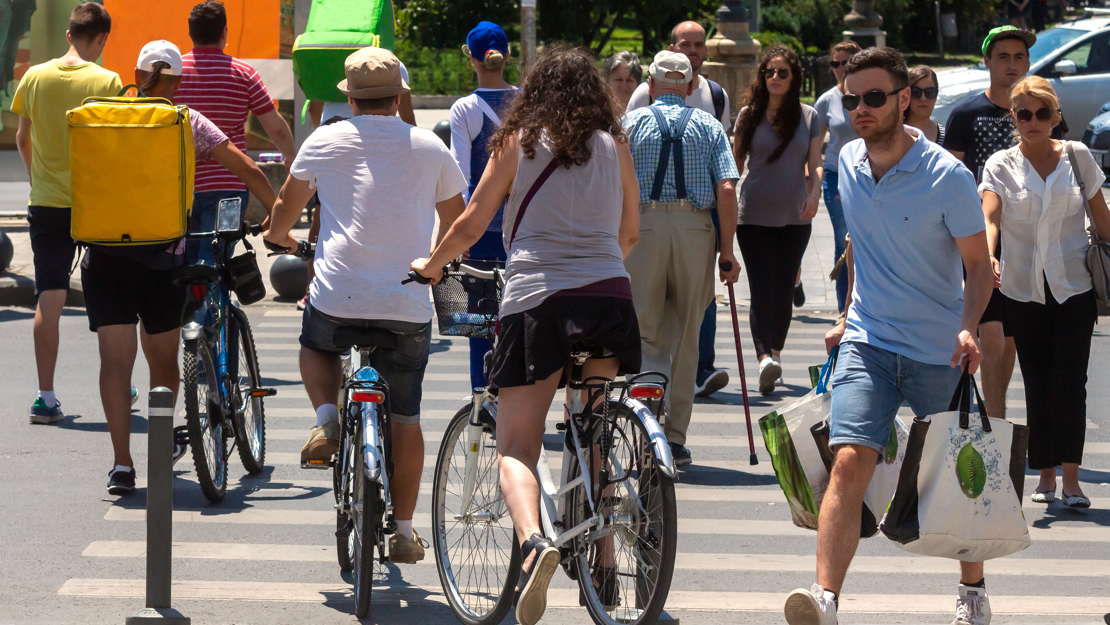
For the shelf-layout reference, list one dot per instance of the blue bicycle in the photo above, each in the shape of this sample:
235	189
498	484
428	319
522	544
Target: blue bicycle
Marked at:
222	384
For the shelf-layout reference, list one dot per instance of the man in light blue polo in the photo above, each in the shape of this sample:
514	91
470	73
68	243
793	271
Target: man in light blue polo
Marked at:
914	215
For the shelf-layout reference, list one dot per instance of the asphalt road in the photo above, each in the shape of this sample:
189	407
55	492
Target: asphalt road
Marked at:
72	554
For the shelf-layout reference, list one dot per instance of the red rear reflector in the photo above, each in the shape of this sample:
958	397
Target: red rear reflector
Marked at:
646	391
374	398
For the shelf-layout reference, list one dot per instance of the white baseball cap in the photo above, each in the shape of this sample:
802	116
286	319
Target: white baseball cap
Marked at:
160	50
666	62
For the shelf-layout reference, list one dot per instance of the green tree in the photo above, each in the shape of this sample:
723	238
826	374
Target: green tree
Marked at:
445	23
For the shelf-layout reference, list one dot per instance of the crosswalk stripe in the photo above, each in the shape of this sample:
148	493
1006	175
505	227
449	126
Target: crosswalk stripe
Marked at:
683	561
568	598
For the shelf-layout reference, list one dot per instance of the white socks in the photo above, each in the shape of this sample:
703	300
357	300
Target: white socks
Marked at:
48	398
404	528
326	413
120	467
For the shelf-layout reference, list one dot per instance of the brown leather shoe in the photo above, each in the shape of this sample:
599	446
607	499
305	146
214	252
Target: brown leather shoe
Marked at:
323	443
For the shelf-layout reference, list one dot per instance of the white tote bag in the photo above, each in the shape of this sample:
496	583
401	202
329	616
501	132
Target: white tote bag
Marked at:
959	492
797	437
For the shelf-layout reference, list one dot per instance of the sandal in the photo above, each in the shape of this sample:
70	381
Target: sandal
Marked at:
532	601
1076	501
1045	497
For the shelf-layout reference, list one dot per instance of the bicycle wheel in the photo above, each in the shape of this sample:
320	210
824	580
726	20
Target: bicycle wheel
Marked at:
624	574
250	418
343	550
366	517
476	551
206	430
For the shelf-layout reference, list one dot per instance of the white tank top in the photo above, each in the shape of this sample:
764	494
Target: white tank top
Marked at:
568	237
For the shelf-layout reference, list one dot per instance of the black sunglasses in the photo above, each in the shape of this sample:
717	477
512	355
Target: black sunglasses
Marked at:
782	72
875	99
837	64
1043	115
930	93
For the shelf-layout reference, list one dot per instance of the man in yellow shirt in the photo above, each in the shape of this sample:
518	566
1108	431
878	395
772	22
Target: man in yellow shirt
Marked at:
44	95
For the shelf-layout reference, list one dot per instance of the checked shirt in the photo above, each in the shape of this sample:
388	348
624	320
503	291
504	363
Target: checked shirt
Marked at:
707	155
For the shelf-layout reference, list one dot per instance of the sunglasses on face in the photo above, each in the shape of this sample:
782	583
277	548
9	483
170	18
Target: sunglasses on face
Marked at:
837	64
1043	115
930	93
782	73
875	99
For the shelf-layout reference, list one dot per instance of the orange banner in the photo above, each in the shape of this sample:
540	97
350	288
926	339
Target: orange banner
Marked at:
134	24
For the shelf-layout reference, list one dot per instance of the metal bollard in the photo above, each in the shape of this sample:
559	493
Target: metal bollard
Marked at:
159	514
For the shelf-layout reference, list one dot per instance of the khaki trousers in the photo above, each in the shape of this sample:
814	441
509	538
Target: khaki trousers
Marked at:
672	282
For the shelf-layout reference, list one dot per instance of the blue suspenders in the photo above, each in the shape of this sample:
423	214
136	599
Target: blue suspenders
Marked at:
664	155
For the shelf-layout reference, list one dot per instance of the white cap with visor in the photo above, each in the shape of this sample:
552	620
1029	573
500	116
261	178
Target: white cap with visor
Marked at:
164	51
666	62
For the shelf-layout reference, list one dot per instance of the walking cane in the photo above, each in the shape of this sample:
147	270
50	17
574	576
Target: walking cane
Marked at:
726	266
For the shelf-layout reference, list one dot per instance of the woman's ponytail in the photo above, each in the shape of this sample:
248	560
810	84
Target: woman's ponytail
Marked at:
153	76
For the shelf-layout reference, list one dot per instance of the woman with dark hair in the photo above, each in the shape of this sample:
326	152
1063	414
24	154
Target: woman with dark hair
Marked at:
778	136
833	118
623	73
566	278
923	99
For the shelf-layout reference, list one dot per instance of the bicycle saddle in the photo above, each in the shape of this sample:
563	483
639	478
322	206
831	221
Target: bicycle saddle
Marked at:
589	349
364	338
195	274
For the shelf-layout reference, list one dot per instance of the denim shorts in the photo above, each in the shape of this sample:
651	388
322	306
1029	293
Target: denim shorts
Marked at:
870	384
402	368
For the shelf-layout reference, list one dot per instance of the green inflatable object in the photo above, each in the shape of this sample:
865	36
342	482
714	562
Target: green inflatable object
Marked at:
335	29
971	471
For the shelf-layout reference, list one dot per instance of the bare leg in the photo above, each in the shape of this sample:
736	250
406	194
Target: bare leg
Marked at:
971	572
48	313
606	368
322	375
522	411
408	460
996	374
118	346
838	532
1048	480
1071	480
161	357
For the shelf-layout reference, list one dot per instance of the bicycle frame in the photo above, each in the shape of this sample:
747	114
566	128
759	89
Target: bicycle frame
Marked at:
366	378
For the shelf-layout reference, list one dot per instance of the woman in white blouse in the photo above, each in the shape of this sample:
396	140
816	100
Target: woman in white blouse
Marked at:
1032	194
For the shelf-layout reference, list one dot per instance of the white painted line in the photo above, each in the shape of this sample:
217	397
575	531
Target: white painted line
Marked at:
568	598
284	313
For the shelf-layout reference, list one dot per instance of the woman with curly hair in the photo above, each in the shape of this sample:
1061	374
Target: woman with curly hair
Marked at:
572	217
778	136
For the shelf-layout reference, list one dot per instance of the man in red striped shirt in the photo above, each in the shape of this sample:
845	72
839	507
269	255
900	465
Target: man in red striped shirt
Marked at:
223	89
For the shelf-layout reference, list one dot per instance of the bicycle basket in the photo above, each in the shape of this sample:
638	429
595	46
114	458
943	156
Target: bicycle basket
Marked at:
246	279
466	306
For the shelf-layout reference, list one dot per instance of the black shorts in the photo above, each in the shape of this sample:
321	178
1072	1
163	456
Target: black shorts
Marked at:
402	368
120	290
996	311
534	344
51	246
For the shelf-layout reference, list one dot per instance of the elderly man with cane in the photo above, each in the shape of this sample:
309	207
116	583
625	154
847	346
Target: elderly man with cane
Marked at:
685	167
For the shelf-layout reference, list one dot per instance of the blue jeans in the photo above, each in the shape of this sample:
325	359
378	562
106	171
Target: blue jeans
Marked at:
708	334
491	249
203	219
840	230
870	384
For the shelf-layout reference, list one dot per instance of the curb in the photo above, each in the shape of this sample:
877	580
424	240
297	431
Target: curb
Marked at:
19	290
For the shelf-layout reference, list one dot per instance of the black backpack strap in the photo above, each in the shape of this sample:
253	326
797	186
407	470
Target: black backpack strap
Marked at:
718	98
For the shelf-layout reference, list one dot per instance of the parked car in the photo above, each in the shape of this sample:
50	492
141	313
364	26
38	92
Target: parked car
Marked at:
1074	57
1097	137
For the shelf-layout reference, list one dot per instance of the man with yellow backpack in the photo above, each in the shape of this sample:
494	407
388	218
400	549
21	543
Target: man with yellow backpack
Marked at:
44	95
125	284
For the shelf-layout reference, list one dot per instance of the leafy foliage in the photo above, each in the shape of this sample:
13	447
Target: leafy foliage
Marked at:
817	23
444	72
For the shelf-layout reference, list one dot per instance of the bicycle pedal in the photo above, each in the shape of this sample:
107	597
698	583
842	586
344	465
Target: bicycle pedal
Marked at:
318	464
264	392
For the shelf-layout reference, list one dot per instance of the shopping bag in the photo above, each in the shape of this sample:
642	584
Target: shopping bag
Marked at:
797	438
959	492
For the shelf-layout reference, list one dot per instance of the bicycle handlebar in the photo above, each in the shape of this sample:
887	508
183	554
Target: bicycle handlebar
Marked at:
248	228
304	249
467	269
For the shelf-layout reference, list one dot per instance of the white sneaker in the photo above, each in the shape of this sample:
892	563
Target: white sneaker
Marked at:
769	371
815	606
972	606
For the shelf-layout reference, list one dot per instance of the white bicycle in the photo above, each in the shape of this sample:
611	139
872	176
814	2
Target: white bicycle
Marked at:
614	521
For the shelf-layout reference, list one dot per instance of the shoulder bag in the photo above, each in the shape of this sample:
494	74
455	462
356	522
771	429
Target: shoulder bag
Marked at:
1098	253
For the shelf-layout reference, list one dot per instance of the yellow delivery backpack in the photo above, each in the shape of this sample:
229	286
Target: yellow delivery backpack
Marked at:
133	166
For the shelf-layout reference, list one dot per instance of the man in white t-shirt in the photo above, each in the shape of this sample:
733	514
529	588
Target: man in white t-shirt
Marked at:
689	39
379	180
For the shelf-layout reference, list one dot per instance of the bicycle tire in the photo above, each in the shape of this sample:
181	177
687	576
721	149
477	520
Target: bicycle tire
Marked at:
207	439
342	519
366	516
250	414
627	603
473	604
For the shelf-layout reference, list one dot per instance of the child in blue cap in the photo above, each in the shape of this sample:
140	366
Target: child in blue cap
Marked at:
474	120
